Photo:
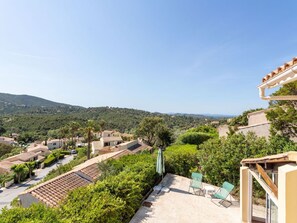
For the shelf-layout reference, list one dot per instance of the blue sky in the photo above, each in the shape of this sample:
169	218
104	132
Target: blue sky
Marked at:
167	56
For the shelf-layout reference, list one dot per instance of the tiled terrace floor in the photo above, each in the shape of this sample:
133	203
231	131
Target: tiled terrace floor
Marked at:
179	205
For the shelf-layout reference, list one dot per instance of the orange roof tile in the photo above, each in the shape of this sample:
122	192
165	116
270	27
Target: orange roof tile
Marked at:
280	69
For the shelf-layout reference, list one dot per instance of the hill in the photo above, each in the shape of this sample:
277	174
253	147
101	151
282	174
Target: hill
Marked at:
28	114
12	104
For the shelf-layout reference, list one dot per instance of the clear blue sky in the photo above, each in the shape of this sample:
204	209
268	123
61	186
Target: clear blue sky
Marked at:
167	56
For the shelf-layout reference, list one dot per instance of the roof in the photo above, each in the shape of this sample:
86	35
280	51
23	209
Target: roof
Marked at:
22	156
52	192
112	139
3	138
139	147
288	157
280	69
6	165
38	148
280	76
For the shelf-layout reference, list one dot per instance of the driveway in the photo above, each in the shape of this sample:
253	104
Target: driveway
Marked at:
8	194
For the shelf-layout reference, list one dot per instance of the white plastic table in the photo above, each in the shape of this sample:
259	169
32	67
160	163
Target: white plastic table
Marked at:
209	190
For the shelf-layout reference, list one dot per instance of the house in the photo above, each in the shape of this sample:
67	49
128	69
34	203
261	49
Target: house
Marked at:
54	144
276	174
7	140
52	192
41	150
111	141
23	157
107	140
257	123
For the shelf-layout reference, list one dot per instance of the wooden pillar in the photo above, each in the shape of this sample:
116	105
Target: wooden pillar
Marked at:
246	187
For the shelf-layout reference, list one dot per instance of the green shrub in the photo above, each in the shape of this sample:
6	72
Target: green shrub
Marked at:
195	138
181	159
36	213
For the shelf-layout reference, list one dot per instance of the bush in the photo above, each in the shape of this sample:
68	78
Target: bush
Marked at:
37	213
181	159
198	135
220	158
195	138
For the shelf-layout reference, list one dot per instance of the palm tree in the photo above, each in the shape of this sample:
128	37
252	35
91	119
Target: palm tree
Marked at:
19	169
30	166
88	130
73	128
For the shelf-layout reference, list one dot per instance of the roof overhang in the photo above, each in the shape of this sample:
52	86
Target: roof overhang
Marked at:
283	75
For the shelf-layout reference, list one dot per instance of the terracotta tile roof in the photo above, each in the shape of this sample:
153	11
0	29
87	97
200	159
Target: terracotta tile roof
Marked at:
91	171
26	156
283	157
54	191
280	69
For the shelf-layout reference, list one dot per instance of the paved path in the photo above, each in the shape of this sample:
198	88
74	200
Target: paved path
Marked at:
8	194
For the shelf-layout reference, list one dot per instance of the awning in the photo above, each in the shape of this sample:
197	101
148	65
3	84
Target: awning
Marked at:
282	75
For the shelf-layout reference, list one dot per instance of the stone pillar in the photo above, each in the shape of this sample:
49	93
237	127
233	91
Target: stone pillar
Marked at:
246	187
287	193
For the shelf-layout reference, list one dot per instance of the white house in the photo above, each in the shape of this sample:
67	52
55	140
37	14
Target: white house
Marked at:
54	143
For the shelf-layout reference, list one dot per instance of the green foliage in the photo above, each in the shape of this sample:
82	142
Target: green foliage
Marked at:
198	135
195	138
220	158
5	149
118	194
14	151
283	113
21	171
37	213
5	177
56	155
39	121
242	120
154	131
181	159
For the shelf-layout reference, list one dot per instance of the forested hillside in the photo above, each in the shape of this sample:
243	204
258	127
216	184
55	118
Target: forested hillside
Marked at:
28	114
16	104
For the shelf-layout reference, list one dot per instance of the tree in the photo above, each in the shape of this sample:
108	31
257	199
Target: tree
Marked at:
154	131
2	129
102	124
30	166
73	128
164	135
282	114
19	170
88	130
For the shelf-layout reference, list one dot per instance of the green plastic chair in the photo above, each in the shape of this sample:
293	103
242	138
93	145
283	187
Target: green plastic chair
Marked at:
223	193
196	182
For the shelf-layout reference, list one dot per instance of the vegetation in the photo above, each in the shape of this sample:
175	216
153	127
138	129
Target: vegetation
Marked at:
5	149
198	135
154	131
21	171
47	122
53	157
181	159
80	158
282	114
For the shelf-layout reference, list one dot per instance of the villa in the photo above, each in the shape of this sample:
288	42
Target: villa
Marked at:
7	140
277	174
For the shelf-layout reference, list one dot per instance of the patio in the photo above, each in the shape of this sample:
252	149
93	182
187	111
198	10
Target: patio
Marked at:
179	205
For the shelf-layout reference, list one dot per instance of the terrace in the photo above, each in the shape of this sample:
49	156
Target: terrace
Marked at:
179	205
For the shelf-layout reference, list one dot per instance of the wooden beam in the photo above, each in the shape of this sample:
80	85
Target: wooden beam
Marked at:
267	180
